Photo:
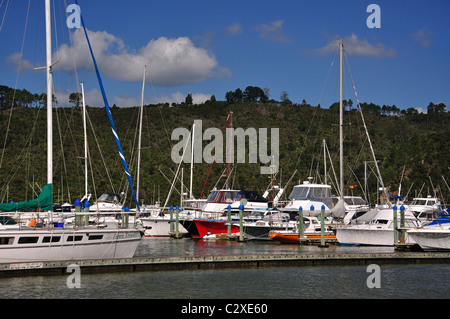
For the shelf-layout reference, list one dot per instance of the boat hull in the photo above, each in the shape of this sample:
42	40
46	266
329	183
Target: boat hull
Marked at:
434	239
81	244
368	237
292	237
159	227
207	227
259	232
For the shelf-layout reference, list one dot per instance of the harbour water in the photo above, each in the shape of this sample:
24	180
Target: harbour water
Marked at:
425	281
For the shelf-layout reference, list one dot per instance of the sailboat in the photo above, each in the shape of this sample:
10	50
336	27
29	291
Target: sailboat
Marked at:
315	198
40	242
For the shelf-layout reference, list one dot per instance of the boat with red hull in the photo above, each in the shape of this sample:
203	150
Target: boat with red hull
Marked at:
208	227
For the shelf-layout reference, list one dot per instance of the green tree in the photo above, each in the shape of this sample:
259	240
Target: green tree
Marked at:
75	98
253	93
188	100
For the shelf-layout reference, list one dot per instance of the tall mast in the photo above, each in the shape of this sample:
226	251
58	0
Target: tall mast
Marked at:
85	143
341	121
192	161
229	143
140	136
48	36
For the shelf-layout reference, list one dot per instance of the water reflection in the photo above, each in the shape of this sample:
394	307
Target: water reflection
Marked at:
167	247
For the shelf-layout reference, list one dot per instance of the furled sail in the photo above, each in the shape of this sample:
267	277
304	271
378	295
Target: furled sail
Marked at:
43	202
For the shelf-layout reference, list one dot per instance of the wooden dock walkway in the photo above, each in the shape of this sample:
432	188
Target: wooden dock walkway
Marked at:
220	262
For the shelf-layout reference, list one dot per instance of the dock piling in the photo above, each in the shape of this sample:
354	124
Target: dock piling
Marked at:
322	228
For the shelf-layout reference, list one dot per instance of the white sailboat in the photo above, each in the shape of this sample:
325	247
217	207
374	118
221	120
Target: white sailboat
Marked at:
48	242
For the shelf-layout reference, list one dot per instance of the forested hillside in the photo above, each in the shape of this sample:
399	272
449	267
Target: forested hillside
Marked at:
406	144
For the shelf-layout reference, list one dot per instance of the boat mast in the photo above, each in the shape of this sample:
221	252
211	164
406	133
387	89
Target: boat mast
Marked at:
140	136
85	143
48	37
192	161
341	122
229	142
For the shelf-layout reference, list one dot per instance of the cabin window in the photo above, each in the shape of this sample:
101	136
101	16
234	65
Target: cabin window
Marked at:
381	221
51	239
95	237
74	238
28	240
214	196
6	240
228	197
299	193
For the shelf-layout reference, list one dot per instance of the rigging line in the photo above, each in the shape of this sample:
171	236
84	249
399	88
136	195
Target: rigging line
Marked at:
72	53
27	145
159	108
368	137
15	85
99	150
214	158
108	111
62	154
4	15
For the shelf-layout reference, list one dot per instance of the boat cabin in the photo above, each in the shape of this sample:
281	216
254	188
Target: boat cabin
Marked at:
312	192
110	198
224	196
426	209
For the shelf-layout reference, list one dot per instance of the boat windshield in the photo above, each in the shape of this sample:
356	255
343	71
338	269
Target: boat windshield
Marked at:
422	202
109	198
307	192
227	196
354	201
214	196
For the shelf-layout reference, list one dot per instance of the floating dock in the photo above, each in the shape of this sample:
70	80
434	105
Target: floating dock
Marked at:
220	262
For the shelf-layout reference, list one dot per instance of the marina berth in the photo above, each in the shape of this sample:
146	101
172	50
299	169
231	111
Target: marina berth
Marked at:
381	230
47	237
426	209
158	224
434	235
271	220
311	231
58	243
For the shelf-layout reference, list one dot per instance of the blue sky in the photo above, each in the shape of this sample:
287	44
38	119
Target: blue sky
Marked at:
210	47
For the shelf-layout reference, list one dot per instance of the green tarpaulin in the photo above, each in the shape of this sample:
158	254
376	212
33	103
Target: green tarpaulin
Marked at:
44	202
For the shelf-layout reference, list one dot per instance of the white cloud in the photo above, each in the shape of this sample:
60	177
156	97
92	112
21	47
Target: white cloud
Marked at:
355	46
234	29
272	31
15	59
422	38
170	62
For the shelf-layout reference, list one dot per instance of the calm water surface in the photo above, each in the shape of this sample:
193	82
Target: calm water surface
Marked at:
335	282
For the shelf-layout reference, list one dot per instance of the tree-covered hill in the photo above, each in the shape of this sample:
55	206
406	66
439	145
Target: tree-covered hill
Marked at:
406	144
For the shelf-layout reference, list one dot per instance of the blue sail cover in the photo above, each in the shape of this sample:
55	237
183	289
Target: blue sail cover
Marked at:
108	111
